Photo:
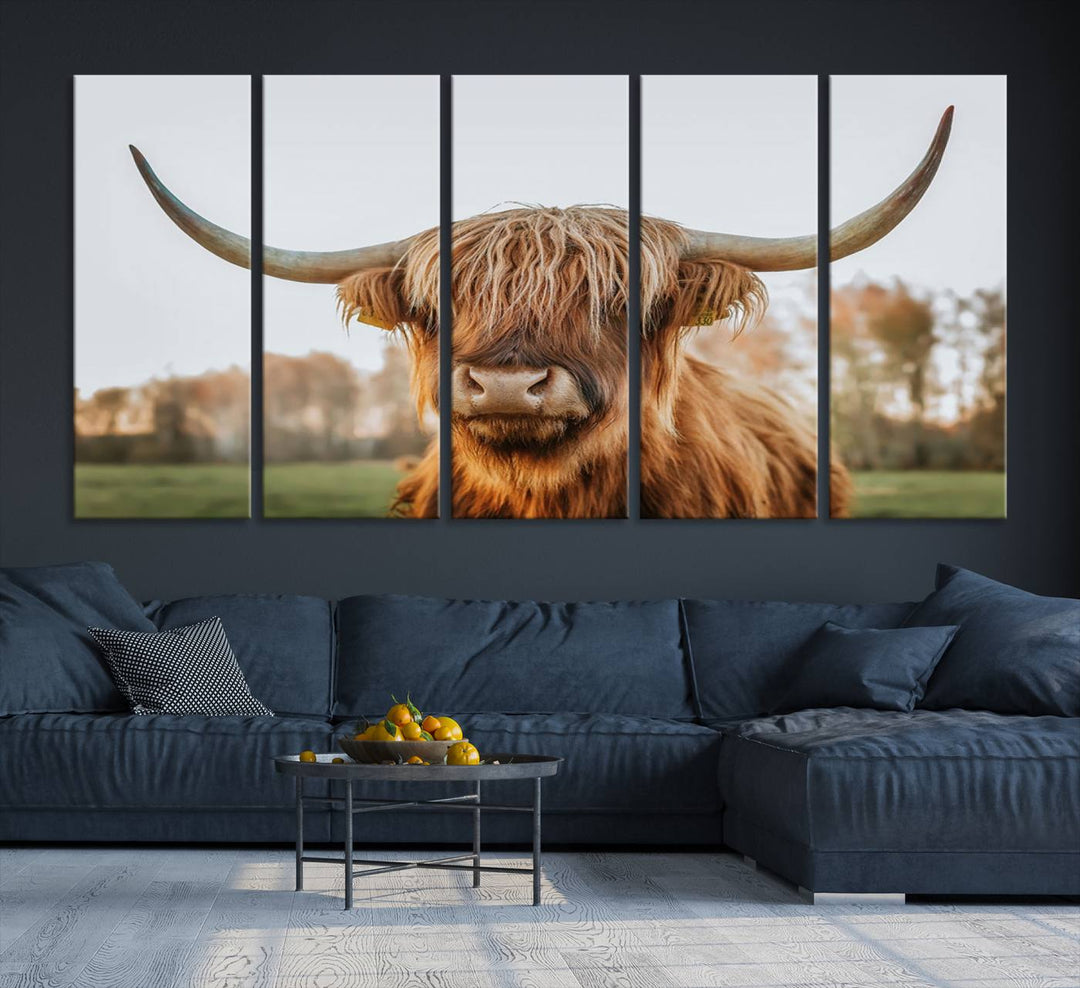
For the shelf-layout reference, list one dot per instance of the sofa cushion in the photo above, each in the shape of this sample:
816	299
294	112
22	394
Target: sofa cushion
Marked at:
866	780
1015	652
614	763
48	662
115	761
744	652
475	656
882	669
284	644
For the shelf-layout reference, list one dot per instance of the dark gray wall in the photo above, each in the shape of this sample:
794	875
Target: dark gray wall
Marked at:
45	43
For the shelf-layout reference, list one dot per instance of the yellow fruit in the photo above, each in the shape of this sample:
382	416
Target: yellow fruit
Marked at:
431	724
381	732
308	756
448	730
411	731
462	753
416	760
399	714
365	735
337	761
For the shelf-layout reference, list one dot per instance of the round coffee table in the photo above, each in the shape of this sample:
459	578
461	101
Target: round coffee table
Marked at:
535	767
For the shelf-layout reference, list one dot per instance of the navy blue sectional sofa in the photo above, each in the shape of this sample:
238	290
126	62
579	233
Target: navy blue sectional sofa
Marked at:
662	710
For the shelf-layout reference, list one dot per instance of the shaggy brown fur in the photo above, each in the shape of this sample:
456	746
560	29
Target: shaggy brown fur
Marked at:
541	287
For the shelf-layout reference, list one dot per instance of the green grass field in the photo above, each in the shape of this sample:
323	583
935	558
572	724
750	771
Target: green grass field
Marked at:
197	490
179	490
929	494
365	489
361	489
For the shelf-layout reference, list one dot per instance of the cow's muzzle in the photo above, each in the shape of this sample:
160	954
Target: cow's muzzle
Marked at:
540	392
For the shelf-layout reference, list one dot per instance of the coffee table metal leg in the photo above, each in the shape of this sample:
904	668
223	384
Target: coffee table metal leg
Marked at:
348	844
299	833
536	841
476	840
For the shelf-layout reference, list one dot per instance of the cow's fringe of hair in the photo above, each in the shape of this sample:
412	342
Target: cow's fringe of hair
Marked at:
533	265
545	264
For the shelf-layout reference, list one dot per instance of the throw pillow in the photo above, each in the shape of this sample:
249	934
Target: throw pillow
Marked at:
188	670
1015	652
883	669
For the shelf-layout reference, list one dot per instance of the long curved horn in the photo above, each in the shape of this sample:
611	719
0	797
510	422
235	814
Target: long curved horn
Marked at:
858	233
320	267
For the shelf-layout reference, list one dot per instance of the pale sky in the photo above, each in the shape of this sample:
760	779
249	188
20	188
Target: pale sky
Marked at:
881	126
148	301
349	160
736	154
547	140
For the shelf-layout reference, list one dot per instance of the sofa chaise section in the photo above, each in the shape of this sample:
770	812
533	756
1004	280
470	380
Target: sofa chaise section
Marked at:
932	802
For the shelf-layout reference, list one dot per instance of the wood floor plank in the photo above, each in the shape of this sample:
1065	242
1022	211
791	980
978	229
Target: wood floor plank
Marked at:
154	961
595	968
59	945
155	943
252	903
239	963
14	860
31	895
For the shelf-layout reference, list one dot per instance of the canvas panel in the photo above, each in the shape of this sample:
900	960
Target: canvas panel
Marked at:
162	328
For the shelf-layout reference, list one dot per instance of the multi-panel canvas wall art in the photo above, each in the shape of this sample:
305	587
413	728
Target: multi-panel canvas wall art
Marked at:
351	362
729	309
540	281
918	318
722	265
162	330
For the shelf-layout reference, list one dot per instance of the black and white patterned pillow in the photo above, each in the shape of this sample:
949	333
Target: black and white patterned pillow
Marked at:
189	670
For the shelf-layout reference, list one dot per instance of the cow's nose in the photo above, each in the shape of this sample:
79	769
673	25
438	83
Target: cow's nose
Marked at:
500	390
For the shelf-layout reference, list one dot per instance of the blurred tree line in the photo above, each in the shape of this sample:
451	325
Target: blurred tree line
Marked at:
317	407
918	380
198	419
321	407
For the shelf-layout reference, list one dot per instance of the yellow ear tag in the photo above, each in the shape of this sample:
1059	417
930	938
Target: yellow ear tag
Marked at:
705	318
369	317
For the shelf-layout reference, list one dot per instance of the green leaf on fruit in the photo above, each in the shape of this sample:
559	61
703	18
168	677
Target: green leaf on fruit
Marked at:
426	736
390	727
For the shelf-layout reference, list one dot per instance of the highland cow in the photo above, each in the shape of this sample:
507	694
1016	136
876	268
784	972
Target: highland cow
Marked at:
539	382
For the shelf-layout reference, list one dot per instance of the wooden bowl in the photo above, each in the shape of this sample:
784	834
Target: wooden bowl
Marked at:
376	752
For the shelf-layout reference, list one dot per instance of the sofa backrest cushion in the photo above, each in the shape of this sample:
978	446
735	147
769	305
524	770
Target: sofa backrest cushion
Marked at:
284	644
1015	652
48	661
477	656
743	650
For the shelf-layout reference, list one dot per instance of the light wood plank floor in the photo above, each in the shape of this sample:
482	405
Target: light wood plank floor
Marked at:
193	918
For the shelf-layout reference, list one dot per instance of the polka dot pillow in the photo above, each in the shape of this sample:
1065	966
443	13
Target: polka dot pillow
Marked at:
189	670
